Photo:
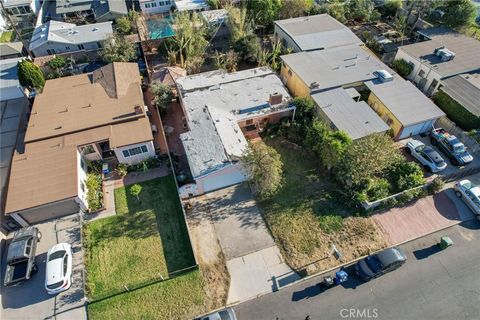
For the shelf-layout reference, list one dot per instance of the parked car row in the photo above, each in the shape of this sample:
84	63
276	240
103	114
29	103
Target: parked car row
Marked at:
21	264
431	160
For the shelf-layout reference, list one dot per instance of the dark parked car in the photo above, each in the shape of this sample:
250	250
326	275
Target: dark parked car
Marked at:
377	264
21	256
453	148
225	314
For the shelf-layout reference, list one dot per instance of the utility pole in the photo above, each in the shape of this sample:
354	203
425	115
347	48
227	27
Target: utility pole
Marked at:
14	26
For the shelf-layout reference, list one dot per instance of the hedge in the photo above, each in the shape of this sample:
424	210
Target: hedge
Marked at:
456	112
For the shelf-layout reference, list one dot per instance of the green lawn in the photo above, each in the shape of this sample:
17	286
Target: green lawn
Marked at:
145	239
7	36
179	298
307	215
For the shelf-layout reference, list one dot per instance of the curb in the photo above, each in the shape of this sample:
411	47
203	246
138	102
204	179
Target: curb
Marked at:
346	263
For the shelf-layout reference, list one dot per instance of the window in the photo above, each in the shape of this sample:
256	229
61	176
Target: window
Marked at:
161	3
99	45
421	73
82	186
67	48
154	4
22	10
249	121
65	265
81	47
87	149
289	72
168	2
147	5
134	151
50	51
389	121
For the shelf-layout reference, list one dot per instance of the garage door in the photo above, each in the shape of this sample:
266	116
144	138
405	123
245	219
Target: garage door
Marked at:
416	129
52	211
221	179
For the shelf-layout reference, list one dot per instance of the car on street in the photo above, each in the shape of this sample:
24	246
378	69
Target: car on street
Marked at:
380	263
470	194
20	260
225	314
427	156
451	146
58	275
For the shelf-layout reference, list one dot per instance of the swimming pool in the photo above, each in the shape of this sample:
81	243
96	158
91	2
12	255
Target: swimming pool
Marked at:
160	27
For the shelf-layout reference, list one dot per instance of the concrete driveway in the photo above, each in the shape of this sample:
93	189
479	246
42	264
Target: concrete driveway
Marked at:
30	300
253	261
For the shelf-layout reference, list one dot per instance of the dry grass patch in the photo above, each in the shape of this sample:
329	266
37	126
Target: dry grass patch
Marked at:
306	216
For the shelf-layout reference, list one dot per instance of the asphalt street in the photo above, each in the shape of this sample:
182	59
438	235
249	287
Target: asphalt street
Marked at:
432	284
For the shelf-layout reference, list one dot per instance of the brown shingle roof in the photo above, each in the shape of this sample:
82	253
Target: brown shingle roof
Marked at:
47	171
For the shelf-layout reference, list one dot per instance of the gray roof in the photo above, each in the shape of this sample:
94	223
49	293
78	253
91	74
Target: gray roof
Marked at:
466	49
316	32
405	101
16	3
69	33
69	6
357	119
9	85
465	89
335	67
214	102
11	48
104	7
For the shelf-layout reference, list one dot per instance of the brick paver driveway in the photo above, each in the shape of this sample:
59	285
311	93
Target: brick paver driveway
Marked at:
421	217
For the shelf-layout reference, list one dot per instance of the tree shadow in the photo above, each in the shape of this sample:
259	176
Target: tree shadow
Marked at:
308	292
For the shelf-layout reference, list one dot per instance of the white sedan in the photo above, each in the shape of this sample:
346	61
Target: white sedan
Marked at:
58	276
470	194
428	158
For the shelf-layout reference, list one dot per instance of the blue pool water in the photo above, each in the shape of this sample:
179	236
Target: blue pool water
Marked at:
161	27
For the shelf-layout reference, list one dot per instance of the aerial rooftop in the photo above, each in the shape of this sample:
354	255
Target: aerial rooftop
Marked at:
318	32
357	119
331	68
465	89
466	51
69	33
408	104
191	5
214	103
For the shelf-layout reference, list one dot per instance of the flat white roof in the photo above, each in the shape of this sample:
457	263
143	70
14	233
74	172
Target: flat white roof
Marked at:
191	5
214	102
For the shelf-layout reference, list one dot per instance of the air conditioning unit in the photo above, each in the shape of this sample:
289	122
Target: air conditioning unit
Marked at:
444	54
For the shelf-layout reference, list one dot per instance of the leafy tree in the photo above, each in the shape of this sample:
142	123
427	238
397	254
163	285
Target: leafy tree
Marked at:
294	8
405	175
337	9
305	108
57	63
402	67
360	9
135	190
264	12
327	144
213	4
365	159
375	15
123	25
238	23
459	13
248	48
117	49
189	41
30	75
162	94
391	7
264	169
227	61
400	25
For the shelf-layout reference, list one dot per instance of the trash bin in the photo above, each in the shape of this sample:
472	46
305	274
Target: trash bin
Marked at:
341	276
445	242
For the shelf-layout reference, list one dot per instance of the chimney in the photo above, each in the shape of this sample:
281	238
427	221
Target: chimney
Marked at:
275	98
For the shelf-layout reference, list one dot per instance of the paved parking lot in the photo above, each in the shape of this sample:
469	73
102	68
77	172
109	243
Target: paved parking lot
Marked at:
30	300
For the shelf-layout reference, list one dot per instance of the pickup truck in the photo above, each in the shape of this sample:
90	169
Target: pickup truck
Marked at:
21	256
453	148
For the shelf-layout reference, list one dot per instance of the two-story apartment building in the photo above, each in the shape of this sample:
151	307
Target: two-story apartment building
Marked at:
56	37
444	53
97	116
21	12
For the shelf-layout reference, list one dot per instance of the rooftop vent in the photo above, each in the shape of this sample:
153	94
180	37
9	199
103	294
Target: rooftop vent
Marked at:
444	54
275	98
138	110
383	75
314	85
95	29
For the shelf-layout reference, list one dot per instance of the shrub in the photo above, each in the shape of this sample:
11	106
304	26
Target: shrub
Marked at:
94	191
94	166
455	111
146	164
405	175
162	94
30	74
123	25
402	67
436	185
121	169
409	195
378	189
